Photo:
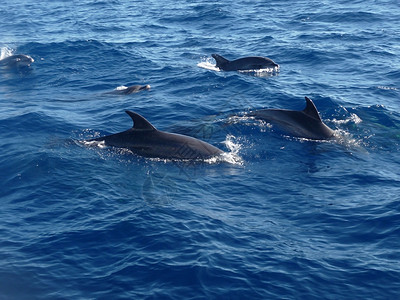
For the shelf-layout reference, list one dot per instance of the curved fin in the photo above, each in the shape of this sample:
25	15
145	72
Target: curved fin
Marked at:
139	123
221	61
311	110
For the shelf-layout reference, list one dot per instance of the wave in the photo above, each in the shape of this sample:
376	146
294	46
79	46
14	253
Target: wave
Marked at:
103	222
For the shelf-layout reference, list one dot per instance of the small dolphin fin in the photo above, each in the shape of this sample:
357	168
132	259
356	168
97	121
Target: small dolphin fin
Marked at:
311	110
221	61
140	123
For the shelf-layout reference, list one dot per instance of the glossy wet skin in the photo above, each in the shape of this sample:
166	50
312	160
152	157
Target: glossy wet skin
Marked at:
19	60
135	89
130	90
145	140
305	124
245	63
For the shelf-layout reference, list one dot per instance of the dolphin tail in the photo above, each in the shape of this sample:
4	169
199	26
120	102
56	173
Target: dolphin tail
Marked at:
311	110
221	61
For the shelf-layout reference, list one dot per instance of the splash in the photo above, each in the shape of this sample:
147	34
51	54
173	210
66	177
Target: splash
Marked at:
5	52
207	63
121	88
391	88
353	118
267	72
348	141
234	147
235	119
100	144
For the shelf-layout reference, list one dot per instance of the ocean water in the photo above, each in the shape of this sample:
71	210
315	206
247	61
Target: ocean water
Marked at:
283	218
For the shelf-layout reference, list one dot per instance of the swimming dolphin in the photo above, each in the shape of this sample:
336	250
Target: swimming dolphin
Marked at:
18	60
306	123
245	63
145	140
129	90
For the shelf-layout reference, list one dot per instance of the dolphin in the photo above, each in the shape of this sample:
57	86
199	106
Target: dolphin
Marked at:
129	90
145	140
245	63
306	123
18	60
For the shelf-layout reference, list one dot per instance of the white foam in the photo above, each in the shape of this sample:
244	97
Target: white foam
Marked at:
120	88
100	144
5	52
208	66
261	71
207	63
234	119
352	119
381	87
345	139
234	147
268	72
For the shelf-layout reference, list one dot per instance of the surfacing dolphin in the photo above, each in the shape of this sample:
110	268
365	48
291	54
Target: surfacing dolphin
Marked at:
245	63
306	123
18	60
129	90
145	140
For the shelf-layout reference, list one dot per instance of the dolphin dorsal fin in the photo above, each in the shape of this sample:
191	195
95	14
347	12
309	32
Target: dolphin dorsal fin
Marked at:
140	123
220	60
311	110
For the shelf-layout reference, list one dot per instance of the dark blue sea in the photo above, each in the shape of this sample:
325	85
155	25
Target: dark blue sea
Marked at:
281	218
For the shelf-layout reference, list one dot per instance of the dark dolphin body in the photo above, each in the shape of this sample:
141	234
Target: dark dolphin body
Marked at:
130	90
18	60
306	123
145	140
245	63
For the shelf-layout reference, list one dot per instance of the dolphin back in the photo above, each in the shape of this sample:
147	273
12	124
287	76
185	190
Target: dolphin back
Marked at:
221	62
17	60
245	63
306	123
135	88
145	140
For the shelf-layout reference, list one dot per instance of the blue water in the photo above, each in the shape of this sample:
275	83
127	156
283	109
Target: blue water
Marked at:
286	218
